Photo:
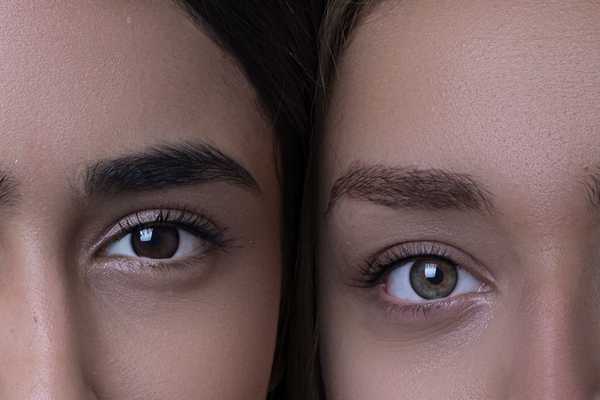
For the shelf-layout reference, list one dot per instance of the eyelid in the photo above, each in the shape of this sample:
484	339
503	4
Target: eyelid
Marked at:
450	308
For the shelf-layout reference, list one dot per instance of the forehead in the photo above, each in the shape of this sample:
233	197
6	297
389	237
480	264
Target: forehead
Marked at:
89	80
477	86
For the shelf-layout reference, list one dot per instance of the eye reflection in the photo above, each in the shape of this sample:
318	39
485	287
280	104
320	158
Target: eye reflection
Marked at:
433	279
429	278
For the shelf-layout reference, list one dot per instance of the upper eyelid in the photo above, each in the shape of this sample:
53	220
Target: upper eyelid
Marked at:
131	222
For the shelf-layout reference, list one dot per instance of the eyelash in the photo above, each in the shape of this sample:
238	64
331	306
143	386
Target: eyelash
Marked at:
179	217
374	271
376	268
195	223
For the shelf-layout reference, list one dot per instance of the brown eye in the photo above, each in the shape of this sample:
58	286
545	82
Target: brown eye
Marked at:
161	237
157	242
433	278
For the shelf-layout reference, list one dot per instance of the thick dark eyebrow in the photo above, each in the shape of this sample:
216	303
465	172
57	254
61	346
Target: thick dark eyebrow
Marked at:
166	166
405	187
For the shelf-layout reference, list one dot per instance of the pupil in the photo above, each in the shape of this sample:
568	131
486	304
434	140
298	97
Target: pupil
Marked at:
433	278
433	274
155	242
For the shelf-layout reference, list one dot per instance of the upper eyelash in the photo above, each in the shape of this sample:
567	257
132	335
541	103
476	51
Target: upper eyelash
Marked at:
193	222
377	267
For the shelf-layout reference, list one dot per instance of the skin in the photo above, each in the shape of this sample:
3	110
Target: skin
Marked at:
508	94
89	82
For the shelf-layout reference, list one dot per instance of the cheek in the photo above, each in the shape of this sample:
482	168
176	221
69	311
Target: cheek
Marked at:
216	340
357	367
359	364
364	355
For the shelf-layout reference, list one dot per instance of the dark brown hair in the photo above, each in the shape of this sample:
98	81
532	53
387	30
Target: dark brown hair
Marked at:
275	43
339	19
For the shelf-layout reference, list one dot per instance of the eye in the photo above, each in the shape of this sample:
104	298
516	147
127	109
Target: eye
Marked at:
156	242
163	234
429	278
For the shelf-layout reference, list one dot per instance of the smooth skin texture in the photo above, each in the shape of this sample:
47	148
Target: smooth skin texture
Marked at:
86	83
506	94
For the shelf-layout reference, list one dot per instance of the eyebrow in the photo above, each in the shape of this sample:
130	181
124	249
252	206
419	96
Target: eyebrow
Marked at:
411	188
166	166
592	185
8	190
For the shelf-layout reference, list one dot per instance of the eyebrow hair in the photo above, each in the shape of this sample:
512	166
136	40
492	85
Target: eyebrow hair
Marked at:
407	187
592	185
166	166
8	192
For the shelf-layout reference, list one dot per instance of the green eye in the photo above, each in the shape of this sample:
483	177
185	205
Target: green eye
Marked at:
428	278
433	278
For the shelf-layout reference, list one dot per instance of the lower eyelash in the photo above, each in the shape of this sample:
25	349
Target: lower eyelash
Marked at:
420	310
183	273
406	312
165	266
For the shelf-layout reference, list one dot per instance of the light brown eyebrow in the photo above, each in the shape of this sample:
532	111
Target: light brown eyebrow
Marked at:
591	184
409	187
8	190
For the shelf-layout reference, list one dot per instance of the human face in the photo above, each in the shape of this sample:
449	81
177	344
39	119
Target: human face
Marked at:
458	254
139	208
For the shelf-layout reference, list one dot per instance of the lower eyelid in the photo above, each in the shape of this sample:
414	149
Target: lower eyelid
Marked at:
138	274
432	310
130	264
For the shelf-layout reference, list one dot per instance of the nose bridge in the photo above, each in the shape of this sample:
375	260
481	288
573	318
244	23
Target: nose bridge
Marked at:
40	356
553	352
